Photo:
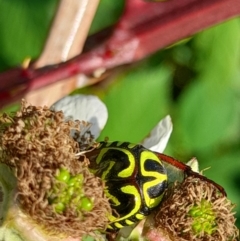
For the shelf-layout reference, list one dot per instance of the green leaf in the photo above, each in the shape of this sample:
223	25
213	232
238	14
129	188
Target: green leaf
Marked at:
113	9
205	115
207	107
136	103
217	52
24	27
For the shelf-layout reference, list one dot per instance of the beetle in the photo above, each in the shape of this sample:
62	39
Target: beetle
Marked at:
136	179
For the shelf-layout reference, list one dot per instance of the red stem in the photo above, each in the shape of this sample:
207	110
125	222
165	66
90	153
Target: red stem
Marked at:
143	29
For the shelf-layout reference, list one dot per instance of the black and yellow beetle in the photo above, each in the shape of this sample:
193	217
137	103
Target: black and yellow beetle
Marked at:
136	179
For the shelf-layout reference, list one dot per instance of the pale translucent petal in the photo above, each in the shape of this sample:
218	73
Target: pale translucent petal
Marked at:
159	136
84	107
193	163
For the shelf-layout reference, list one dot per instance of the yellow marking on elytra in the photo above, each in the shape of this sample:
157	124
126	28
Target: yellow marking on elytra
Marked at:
113	198
131	162
118	225
131	145
104	174
129	222
119	143
139	216
129	189
100	155
127	172
159	177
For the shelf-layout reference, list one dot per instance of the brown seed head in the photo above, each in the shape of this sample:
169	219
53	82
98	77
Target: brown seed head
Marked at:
36	143
197	211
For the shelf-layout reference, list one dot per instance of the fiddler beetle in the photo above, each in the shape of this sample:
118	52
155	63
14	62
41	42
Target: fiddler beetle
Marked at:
136	179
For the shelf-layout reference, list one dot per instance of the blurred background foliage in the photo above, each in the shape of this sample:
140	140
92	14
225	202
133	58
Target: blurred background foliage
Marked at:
196	81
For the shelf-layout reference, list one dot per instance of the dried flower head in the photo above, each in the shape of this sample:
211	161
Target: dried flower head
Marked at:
196	210
37	144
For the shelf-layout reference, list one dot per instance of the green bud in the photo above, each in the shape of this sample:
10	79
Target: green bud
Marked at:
86	204
59	207
76	181
63	175
70	191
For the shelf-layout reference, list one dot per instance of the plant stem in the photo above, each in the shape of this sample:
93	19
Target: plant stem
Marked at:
143	29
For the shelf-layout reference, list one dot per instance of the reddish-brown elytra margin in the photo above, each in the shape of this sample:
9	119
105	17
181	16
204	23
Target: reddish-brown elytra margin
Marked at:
188	170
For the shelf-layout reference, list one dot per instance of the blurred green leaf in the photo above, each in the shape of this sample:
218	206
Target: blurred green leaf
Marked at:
217	52
109	8
207	107
205	114
23	29
10	108
136	103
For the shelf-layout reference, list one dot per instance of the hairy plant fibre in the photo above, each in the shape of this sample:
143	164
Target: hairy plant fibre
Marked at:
36	142
173	216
